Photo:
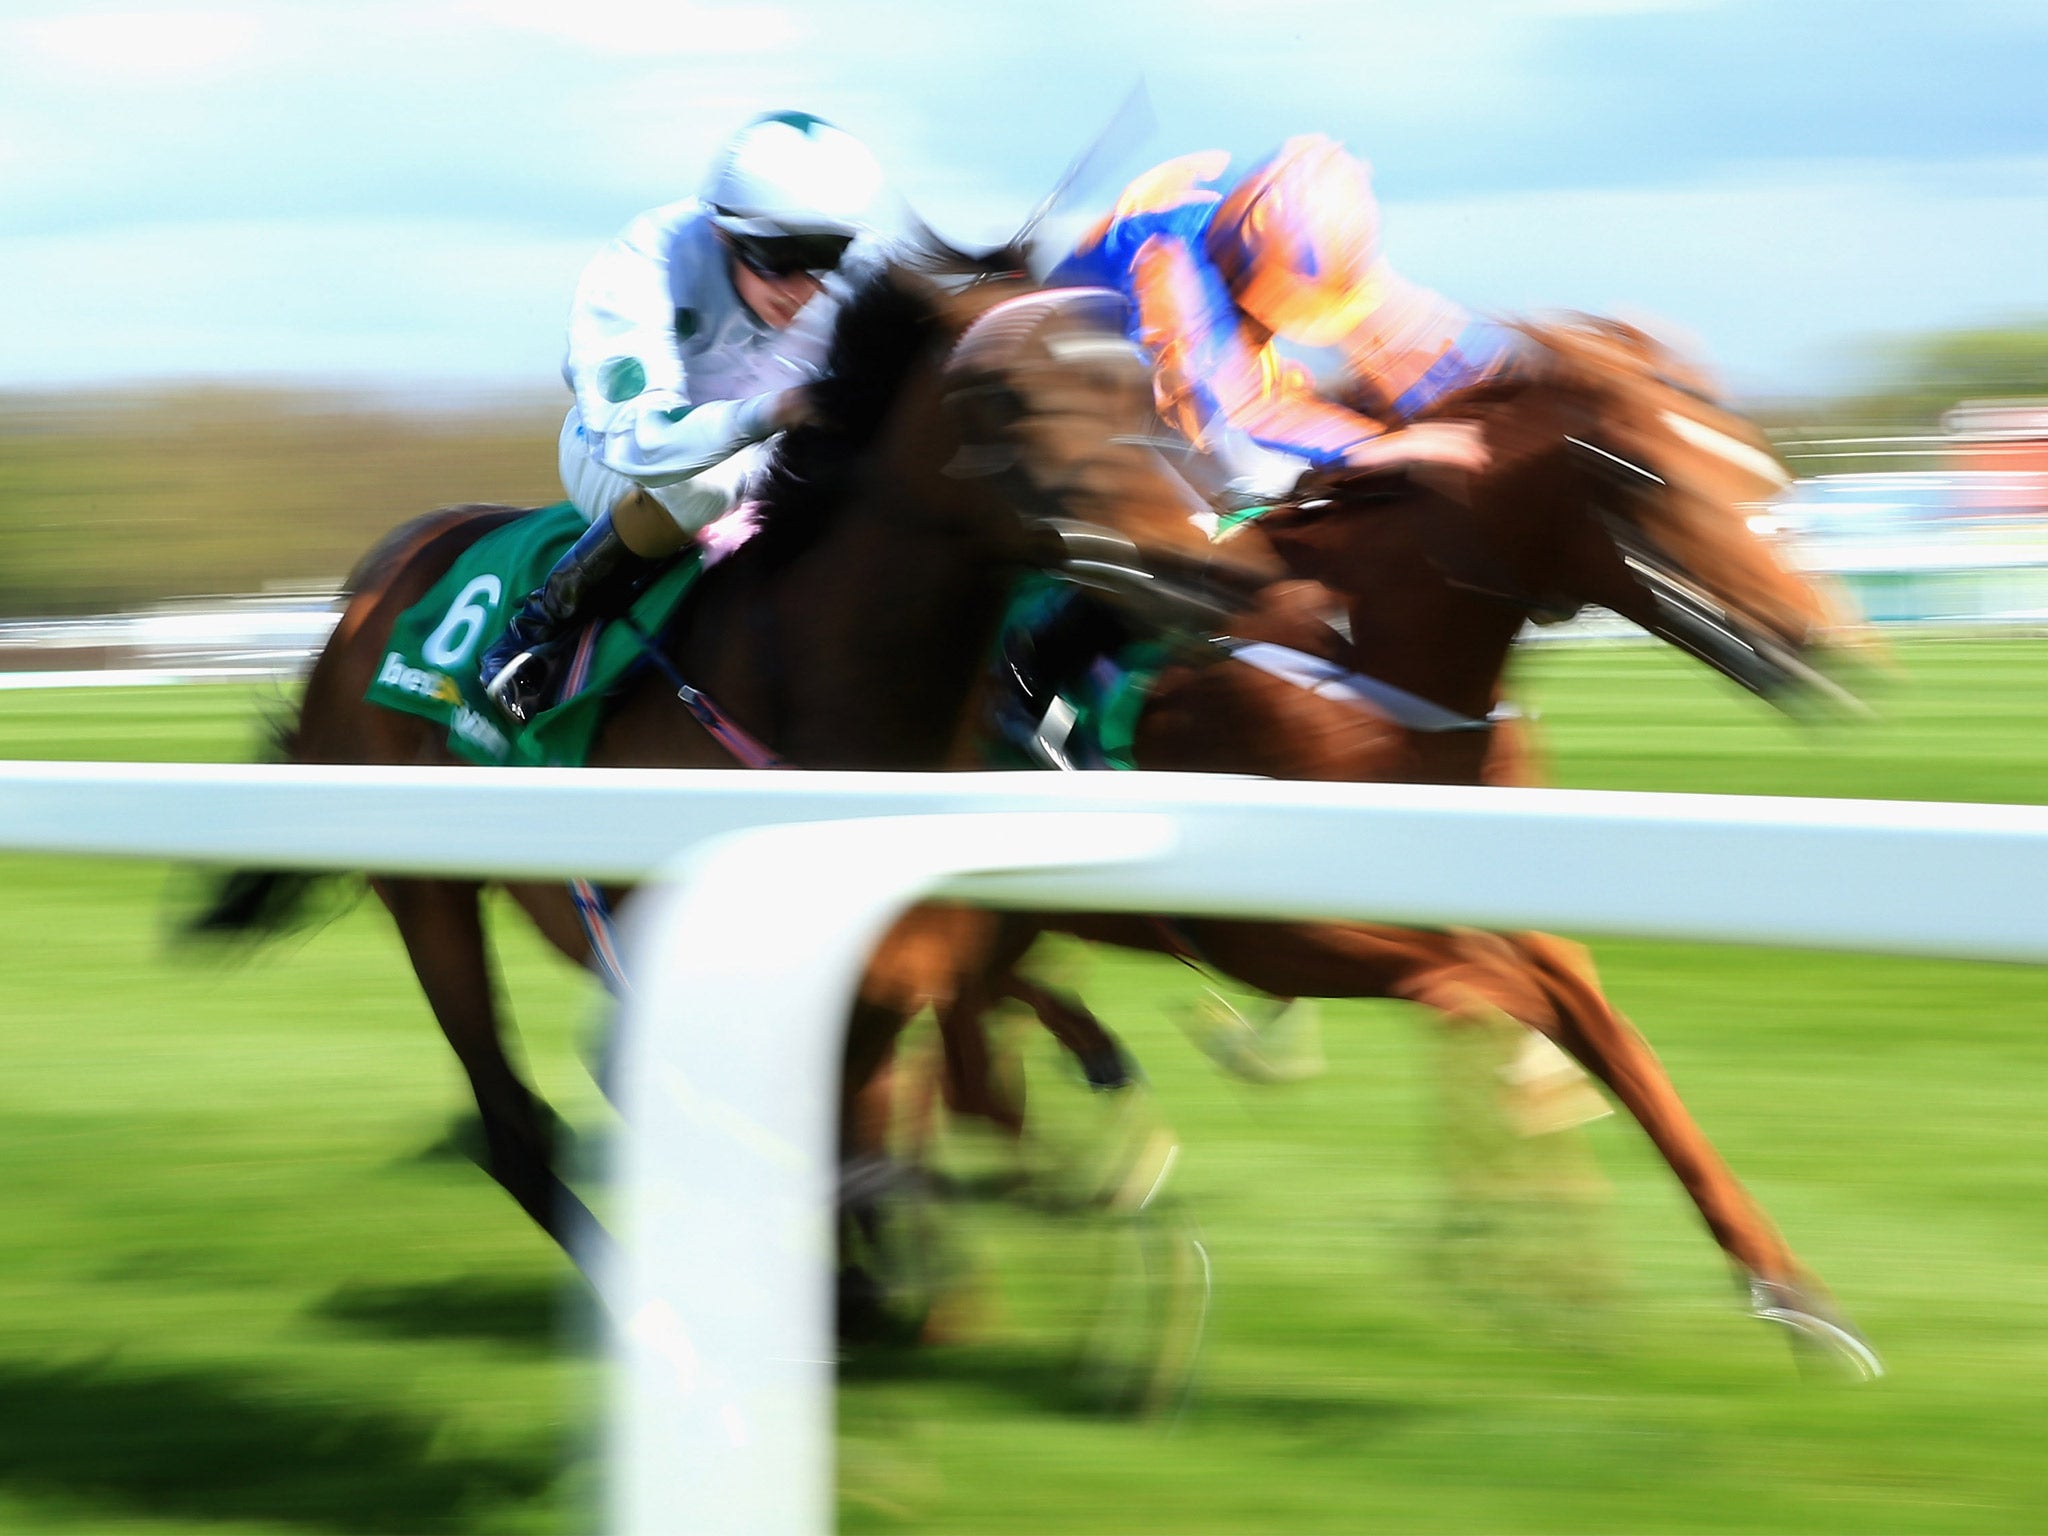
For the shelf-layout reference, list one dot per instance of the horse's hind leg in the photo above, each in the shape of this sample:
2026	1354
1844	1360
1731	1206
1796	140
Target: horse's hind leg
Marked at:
951	959
441	922
986	976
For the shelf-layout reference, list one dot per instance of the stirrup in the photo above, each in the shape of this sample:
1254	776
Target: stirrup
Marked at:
1049	742
1042	734
516	697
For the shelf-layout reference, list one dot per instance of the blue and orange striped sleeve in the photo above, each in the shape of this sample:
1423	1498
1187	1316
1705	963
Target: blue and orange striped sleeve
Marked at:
1206	365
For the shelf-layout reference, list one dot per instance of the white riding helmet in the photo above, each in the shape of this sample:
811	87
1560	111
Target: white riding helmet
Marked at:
790	173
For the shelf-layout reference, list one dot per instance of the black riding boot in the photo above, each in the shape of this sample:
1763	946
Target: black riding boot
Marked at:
1045	661
596	579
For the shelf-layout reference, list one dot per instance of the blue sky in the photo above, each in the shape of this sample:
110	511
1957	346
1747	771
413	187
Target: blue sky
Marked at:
401	193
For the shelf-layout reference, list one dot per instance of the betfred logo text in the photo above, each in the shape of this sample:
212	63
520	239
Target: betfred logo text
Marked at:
417	680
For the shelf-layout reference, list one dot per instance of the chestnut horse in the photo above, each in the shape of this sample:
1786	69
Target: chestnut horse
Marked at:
1614	480
964	438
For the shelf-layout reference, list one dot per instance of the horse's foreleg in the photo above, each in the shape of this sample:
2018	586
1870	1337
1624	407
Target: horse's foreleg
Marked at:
441	923
982	958
1549	985
1585	1024
1516	1173
1781	1289
1071	1022
868	1088
1518	1177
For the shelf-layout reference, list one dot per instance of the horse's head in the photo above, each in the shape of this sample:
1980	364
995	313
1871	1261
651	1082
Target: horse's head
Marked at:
1001	426
1620	481
1053	407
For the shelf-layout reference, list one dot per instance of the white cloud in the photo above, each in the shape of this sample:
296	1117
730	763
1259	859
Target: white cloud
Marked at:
162	46
375	299
645	28
504	118
1773	270
1578	8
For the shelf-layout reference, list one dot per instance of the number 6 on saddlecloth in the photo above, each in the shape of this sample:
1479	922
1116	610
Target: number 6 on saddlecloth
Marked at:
456	635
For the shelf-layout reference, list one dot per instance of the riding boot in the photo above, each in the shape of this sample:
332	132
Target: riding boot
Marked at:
596	579
1043	662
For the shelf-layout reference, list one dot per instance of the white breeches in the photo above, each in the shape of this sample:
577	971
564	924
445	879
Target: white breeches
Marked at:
702	499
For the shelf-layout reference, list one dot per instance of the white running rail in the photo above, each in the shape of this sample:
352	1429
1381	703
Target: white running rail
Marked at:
1908	877
773	886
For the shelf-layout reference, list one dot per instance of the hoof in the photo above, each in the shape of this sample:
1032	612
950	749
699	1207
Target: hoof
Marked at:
1823	1342
1286	1047
1107	1070
1145	1339
870	1312
895	1265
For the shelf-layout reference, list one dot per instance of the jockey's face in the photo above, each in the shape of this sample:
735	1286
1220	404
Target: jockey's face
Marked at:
776	300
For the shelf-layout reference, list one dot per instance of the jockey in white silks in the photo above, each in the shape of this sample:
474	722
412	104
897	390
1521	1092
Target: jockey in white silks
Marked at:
692	338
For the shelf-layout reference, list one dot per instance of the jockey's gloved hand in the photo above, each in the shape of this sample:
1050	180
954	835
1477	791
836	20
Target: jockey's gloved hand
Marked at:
1440	455
1248	491
796	406
1254	476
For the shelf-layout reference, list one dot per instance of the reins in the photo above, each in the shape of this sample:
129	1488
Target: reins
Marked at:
748	750
1361	690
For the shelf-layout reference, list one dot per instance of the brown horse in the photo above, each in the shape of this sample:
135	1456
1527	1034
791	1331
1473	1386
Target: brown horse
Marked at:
965	437
1614	481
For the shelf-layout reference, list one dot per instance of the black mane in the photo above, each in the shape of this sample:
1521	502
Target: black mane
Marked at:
891	321
893	318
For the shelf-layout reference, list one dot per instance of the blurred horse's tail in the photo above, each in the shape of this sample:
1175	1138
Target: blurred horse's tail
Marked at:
253	904
259	903
256	903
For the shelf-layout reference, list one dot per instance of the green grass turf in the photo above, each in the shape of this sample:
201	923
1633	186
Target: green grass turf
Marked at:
250	1284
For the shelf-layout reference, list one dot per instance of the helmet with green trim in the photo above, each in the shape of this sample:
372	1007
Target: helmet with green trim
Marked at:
792	191
1297	240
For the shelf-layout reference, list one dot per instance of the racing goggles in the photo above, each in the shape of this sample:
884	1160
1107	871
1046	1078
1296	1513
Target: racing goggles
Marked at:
787	255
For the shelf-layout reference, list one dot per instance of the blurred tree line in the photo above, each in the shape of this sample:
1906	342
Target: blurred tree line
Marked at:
1916	379
113	501
1924	376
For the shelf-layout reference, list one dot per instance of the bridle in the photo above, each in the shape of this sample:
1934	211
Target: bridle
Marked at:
1681	612
1168	591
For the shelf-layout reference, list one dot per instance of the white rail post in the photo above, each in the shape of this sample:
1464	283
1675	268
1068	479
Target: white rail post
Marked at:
744	964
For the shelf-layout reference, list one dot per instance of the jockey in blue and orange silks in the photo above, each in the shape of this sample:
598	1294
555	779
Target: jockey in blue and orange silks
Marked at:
1214	274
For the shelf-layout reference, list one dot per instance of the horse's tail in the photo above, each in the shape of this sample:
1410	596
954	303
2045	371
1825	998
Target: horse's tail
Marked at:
257	903
260	903
253	903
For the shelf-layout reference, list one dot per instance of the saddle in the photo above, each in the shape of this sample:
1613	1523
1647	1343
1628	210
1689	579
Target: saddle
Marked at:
429	667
